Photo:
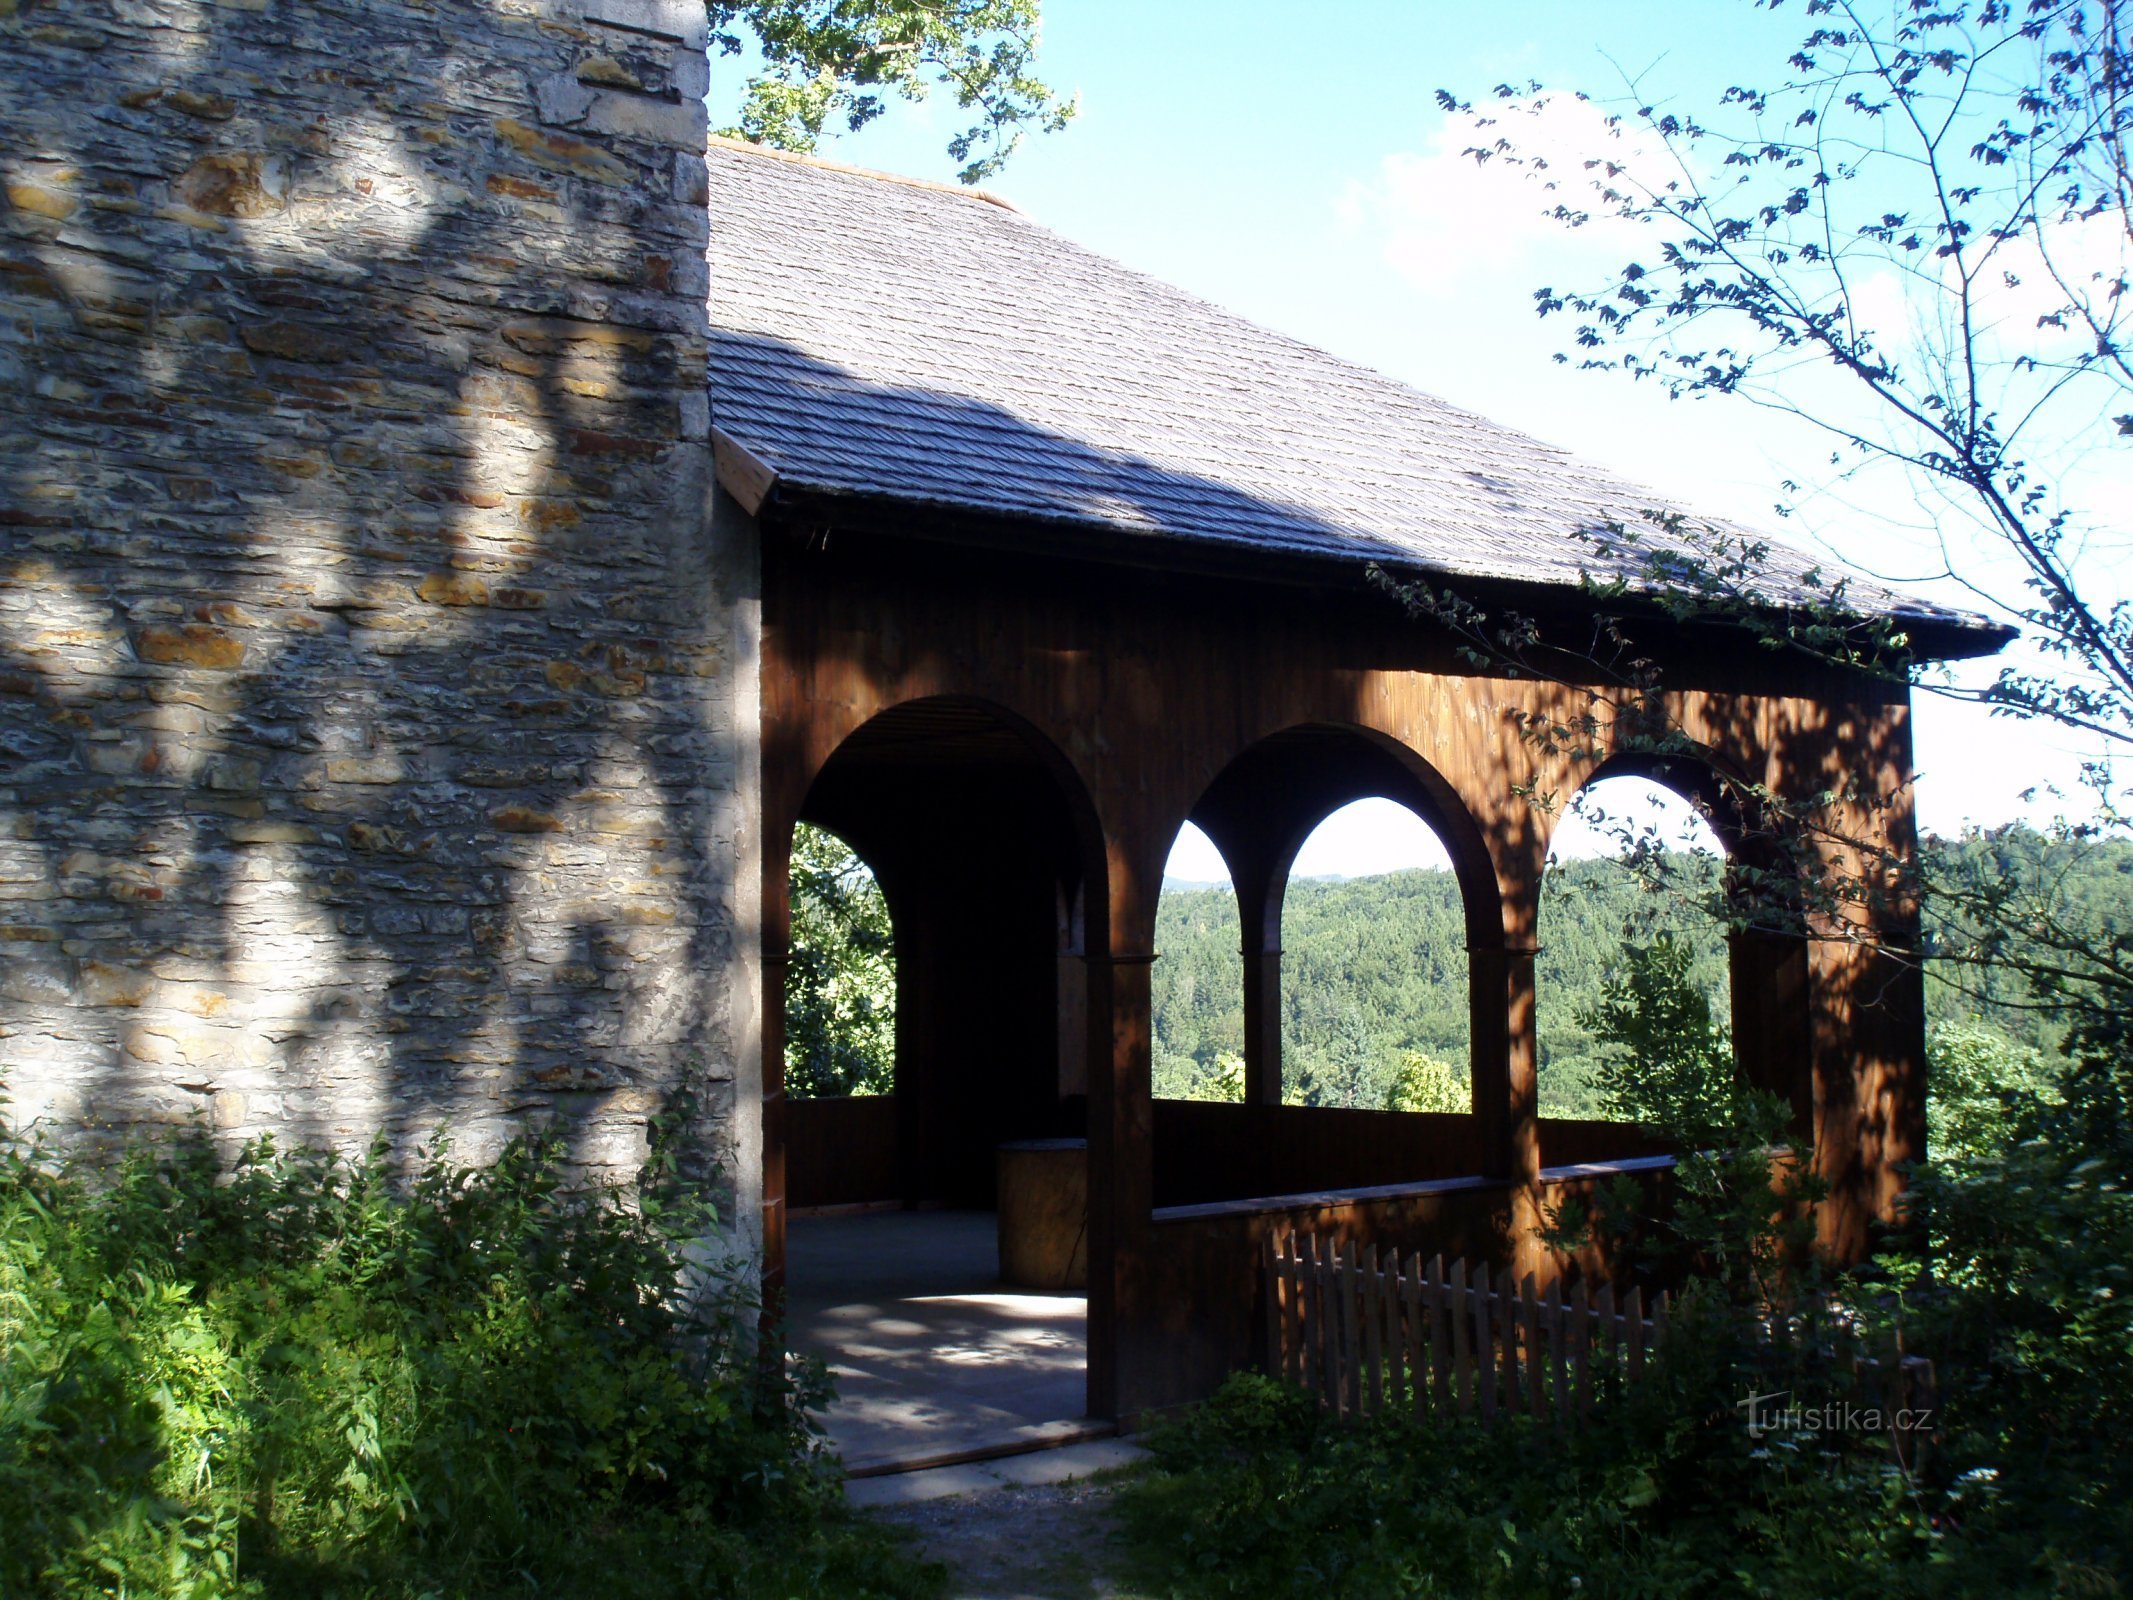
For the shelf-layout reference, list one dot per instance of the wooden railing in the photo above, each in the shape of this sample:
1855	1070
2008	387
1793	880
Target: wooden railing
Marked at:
1369	1335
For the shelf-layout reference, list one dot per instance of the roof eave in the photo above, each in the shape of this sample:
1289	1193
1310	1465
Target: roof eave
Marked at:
1092	540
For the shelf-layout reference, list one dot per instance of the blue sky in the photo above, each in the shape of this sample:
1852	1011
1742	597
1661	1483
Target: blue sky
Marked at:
1291	164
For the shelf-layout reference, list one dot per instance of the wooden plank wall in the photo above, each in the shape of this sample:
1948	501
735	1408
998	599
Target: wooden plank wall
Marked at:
841	1151
1207	1151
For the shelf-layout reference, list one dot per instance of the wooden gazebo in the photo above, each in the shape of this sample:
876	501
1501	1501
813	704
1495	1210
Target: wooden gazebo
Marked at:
1056	558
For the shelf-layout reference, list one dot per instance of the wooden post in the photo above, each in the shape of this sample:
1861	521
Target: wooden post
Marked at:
1555	1352
776	961
1536	1367
1455	1308
1484	1345
1633	1325
1351	1344
1370	1395
1276	1366
1581	1345
1395	1342
1437	1295
1262	1022
1414	1291
1326	1366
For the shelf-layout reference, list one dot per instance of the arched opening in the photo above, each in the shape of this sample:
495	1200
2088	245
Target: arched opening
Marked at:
1375	994
1197	988
1324	1062
936	1240
1651	950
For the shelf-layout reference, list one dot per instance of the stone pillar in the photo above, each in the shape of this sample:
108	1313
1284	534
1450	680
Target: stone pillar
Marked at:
376	681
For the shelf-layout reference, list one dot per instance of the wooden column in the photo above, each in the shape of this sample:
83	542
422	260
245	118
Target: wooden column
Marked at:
1867	1005
1262	1024
1773	1040
1121	1177
1258	882
1504	1061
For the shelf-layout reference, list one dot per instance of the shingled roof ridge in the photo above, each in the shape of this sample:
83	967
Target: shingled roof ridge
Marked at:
720	141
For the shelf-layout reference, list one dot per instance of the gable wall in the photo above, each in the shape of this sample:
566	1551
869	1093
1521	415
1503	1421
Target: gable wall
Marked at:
376	681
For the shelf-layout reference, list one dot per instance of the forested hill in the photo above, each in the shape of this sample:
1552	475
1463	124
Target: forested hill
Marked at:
1374	968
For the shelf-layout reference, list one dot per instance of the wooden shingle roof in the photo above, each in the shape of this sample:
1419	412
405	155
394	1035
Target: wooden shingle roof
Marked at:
879	340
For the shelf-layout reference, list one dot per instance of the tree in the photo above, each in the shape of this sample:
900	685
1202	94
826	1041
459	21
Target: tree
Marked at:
1423	1083
1663	1061
1917	238
840	985
1983	1085
1742	1187
840	61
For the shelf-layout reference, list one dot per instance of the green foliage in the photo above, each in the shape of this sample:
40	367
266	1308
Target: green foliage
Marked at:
840	986
2019	1284
1590	910
1182	1078
1198	995
1256	1495
2015	1284
1980	1084
1423	1083
2031	929
1663	1060
320	1377
1371	969
824	61
1376	965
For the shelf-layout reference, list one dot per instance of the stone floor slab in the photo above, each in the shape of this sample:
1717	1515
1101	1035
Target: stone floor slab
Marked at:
932	1355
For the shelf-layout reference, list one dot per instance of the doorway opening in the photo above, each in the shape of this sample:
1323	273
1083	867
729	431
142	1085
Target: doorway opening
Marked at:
936	1249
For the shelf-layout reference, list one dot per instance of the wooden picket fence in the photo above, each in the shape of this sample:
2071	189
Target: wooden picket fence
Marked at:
1368	1335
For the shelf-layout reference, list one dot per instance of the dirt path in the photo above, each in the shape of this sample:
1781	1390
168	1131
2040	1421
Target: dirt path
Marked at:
1035	1542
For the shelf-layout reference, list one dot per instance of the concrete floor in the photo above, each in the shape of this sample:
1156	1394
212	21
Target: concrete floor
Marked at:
934	1357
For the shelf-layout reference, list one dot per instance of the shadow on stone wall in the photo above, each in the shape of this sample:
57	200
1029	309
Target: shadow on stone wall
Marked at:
370	667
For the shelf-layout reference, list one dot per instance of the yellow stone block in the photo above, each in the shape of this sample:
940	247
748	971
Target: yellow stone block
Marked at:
40	201
193	645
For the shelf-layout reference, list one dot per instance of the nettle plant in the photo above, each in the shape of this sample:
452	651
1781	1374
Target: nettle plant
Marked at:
322	1375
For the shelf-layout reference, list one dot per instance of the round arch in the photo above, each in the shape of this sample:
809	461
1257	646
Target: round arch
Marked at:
1263	805
1767	957
1717	791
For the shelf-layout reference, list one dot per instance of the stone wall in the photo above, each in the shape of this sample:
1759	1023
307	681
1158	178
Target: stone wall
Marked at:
377	684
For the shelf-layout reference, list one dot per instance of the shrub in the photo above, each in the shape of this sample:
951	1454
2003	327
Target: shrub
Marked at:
314	1376
1739	1208
1256	1494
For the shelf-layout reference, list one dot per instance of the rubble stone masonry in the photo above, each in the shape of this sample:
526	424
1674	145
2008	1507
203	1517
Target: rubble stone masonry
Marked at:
377	678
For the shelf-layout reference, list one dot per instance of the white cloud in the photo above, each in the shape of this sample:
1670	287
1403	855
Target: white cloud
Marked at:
1444	219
